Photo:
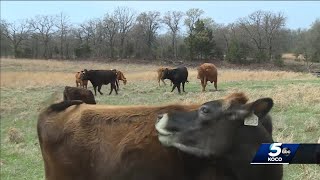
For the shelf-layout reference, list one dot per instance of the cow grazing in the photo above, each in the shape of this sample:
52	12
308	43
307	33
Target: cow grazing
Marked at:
230	133
120	77
160	75
207	72
75	93
100	77
81	141
177	76
79	81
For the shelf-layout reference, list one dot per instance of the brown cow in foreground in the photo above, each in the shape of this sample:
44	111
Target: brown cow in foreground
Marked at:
160	75
80	141
79	81
207	72
75	93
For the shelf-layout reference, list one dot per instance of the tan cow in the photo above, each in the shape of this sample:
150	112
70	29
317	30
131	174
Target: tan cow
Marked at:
207	72
160	75
79	81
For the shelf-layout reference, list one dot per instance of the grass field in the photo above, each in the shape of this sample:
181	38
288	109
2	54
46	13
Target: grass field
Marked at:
27	86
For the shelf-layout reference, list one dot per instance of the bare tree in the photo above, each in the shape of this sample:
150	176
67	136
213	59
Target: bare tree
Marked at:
111	28
16	32
125	17
44	25
272	23
262	27
149	23
63	27
172	20
253	25
87	31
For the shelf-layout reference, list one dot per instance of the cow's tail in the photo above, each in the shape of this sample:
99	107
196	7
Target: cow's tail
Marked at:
61	106
187	81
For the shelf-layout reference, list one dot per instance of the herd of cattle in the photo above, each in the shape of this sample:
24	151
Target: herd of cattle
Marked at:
178	76
211	141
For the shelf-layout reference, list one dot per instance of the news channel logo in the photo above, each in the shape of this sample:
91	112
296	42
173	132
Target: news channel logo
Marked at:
275	153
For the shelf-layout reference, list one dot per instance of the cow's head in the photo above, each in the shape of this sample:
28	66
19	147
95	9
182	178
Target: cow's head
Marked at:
120	76
167	73
81	73
85	75
210	130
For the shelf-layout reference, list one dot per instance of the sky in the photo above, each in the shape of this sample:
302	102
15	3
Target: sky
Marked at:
300	14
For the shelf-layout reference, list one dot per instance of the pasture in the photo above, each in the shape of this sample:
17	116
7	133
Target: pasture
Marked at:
27	86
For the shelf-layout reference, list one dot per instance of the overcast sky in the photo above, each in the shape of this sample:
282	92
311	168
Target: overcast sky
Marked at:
300	14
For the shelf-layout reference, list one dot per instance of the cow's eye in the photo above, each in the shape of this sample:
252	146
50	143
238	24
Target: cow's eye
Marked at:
204	110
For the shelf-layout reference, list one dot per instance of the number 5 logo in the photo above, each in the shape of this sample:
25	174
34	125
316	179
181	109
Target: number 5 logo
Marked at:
275	149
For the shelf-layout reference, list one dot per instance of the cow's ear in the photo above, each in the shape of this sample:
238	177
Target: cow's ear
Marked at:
260	107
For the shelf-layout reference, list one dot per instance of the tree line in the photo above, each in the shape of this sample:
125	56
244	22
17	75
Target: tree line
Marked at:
262	36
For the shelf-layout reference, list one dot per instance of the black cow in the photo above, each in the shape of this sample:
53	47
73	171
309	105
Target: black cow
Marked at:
177	76
75	93
229	134
100	77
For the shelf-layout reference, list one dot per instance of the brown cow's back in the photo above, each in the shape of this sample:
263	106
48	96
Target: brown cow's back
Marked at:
207	72
106	142
114	143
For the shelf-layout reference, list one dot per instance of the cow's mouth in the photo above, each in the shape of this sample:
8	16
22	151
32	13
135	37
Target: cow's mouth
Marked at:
161	126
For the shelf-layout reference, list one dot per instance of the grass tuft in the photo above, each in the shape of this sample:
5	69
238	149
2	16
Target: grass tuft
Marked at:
15	135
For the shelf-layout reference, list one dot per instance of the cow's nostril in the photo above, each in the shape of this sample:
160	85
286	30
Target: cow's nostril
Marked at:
160	116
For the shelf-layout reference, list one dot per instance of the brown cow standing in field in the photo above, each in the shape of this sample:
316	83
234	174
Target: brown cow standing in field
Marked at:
120	77
75	93
79	81
207	72
160	75
80	141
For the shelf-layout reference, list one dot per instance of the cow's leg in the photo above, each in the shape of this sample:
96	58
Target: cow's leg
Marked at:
163	82
202	85
113	86
115	89
95	90
117	85
77	84
173	87
183	86
178	86
99	89
216	85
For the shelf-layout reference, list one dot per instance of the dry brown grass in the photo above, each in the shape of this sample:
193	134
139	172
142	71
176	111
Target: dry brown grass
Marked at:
291	56
15	135
41	73
311	125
